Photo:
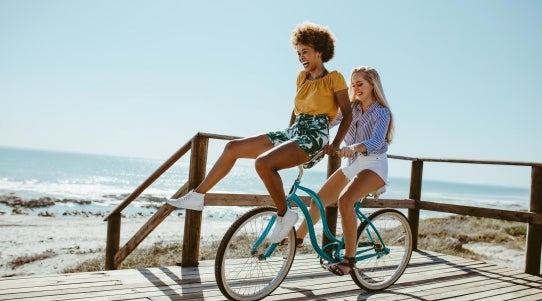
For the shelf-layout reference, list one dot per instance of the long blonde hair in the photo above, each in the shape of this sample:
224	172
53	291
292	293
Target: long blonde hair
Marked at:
371	75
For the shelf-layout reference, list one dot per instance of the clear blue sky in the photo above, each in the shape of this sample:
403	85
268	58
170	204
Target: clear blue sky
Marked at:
140	78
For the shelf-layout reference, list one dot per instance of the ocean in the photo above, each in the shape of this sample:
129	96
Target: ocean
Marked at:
102	182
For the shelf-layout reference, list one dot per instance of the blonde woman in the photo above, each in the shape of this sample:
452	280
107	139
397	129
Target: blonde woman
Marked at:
321	94
367	142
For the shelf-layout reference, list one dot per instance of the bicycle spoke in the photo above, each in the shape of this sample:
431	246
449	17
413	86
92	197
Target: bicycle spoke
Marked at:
391	248
243	274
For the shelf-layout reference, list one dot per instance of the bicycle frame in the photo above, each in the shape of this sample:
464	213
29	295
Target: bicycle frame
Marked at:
293	197
372	245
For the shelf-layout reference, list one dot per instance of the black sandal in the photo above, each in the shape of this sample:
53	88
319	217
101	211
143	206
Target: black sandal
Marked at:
348	262
298	242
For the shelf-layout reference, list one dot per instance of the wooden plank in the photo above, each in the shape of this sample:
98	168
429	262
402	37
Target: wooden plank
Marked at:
469	161
143	277
113	240
192	221
238	199
415	193
529	297
430	276
508	215
88	280
439	287
534	232
389	203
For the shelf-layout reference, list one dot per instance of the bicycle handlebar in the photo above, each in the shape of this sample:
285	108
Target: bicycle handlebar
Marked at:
300	167
320	153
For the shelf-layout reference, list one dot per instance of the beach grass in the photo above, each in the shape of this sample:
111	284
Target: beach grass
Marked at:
444	235
22	260
450	235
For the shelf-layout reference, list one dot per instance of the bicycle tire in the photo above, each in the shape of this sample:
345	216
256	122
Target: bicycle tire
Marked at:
240	273
380	272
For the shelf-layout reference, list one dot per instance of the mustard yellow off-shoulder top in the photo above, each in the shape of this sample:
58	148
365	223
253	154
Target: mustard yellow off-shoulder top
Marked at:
315	97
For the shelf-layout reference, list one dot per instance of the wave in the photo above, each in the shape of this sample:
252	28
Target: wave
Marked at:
107	180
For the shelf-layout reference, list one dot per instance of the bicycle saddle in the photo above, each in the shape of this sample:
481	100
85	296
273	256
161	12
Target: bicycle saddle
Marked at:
375	194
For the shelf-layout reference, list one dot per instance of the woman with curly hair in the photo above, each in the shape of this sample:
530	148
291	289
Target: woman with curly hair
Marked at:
320	95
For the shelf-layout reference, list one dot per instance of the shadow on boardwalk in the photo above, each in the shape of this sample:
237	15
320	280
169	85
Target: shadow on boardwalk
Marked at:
430	276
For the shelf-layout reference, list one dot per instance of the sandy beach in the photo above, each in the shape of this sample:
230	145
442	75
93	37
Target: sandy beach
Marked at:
56	243
65	242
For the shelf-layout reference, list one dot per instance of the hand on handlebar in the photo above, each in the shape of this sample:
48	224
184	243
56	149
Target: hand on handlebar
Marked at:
346	152
330	150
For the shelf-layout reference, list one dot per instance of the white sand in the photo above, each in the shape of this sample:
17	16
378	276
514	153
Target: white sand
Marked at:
76	239
499	255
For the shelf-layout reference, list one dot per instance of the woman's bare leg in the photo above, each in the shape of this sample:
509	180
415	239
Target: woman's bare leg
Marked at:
268	164
329	193
364	183
250	148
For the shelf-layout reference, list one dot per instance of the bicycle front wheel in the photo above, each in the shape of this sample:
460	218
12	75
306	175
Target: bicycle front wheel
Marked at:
386	249
246	266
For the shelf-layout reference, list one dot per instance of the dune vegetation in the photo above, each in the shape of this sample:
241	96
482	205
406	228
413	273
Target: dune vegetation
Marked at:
444	235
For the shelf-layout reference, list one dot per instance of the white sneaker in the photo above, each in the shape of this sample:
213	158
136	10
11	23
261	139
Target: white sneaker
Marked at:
192	200
283	225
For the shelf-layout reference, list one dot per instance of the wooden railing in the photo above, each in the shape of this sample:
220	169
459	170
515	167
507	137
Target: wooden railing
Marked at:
198	147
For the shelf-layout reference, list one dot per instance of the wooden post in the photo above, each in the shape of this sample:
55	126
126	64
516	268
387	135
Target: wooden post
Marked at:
192	222
142	233
333	163
415	194
113	240
534	232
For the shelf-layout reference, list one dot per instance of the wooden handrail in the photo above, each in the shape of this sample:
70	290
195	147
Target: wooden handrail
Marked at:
148	182
467	161
163	168
199	145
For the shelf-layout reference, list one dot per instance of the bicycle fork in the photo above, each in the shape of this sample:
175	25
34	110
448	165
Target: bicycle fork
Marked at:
260	241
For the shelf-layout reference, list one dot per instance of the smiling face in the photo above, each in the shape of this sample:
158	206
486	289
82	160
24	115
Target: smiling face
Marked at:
308	57
363	89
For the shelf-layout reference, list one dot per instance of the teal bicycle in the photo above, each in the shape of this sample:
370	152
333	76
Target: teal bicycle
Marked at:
248	267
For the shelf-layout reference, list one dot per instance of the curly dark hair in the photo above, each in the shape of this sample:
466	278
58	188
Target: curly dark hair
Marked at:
317	36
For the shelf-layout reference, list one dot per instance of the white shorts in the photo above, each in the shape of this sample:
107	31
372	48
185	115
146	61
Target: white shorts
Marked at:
377	163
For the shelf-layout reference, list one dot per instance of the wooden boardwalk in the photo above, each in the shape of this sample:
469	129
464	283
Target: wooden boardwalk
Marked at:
430	276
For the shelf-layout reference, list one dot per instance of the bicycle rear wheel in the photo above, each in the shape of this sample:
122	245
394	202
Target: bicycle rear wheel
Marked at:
388	251
245	268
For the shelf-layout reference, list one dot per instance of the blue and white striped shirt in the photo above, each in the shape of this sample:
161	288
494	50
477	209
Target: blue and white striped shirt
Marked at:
369	128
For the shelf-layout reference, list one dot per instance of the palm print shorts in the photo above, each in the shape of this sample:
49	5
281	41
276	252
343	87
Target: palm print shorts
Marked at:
310	132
